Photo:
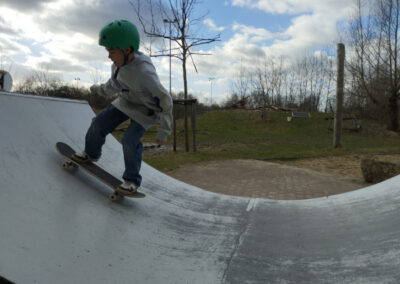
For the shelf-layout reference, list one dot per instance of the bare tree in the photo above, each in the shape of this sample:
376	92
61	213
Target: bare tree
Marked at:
6	63
96	74
300	85
315	75
329	76
241	85
40	82
179	14
374	36
269	82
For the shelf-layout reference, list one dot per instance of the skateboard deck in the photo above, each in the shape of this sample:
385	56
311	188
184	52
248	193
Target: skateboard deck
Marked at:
66	151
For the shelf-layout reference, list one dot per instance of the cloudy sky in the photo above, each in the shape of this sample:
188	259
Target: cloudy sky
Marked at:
60	37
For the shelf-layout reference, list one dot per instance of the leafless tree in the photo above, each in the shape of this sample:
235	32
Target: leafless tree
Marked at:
315	77
269	82
241	85
6	63
96	74
40	82
175	22
374	37
282	83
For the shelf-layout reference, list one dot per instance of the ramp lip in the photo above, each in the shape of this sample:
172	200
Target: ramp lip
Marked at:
37	97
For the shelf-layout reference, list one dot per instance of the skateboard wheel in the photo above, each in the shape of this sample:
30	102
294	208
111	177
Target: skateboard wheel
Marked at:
66	165
113	196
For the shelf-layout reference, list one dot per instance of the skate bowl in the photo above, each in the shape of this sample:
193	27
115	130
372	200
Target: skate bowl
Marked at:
58	226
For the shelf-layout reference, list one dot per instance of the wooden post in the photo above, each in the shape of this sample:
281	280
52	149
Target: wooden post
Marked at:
193	116
174	111
186	128
337	130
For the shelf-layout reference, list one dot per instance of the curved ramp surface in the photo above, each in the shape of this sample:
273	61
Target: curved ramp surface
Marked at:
58	226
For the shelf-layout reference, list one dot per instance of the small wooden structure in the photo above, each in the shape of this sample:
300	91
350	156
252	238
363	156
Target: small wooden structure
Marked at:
297	114
349	123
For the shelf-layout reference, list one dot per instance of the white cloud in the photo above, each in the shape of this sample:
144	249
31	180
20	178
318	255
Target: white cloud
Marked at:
24	5
212	26
314	24
270	6
63	35
247	47
253	34
294	6
10	47
41	35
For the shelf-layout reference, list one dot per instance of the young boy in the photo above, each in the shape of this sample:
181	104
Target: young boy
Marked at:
141	98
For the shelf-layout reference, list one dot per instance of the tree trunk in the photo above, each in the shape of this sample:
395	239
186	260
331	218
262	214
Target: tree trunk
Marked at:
393	113
185	105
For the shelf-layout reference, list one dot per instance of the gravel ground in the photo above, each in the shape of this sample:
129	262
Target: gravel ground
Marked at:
301	179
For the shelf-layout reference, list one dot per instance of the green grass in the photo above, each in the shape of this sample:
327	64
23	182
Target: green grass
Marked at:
238	134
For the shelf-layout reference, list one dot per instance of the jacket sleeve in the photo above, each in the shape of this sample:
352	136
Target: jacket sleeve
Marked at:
166	104
109	89
106	90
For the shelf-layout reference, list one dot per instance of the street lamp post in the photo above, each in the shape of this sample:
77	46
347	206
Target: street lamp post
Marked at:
77	79
211	81
170	54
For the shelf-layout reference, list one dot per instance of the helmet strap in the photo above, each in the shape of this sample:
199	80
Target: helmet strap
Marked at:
126	56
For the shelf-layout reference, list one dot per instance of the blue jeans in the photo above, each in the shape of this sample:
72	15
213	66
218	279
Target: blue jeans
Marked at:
105	123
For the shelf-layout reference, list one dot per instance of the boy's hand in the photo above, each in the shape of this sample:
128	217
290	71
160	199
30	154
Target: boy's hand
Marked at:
93	89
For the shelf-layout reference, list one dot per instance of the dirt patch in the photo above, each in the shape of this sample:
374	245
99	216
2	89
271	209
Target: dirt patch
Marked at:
349	166
251	178
284	180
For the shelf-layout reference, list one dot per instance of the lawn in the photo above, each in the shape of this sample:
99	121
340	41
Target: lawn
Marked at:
241	134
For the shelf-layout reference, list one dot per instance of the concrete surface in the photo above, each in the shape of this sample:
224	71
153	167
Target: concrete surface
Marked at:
58	226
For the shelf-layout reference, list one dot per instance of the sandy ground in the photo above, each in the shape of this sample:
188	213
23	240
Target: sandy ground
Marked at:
349	166
285	180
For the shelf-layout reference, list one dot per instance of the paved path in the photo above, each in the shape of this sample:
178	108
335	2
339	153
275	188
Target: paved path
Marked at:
251	178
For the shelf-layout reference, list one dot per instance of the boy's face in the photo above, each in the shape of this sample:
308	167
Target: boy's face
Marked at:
116	55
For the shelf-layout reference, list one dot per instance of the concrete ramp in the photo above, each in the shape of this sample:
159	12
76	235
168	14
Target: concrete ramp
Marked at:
58	226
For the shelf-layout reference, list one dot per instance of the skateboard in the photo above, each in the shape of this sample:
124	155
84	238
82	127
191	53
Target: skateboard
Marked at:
96	171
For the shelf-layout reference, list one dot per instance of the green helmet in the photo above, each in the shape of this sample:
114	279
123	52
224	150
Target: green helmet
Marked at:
121	34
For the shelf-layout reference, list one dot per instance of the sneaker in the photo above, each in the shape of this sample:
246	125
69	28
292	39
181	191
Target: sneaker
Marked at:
82	157
128	187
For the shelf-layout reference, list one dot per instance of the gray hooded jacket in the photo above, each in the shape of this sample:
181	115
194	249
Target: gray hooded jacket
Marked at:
140	94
